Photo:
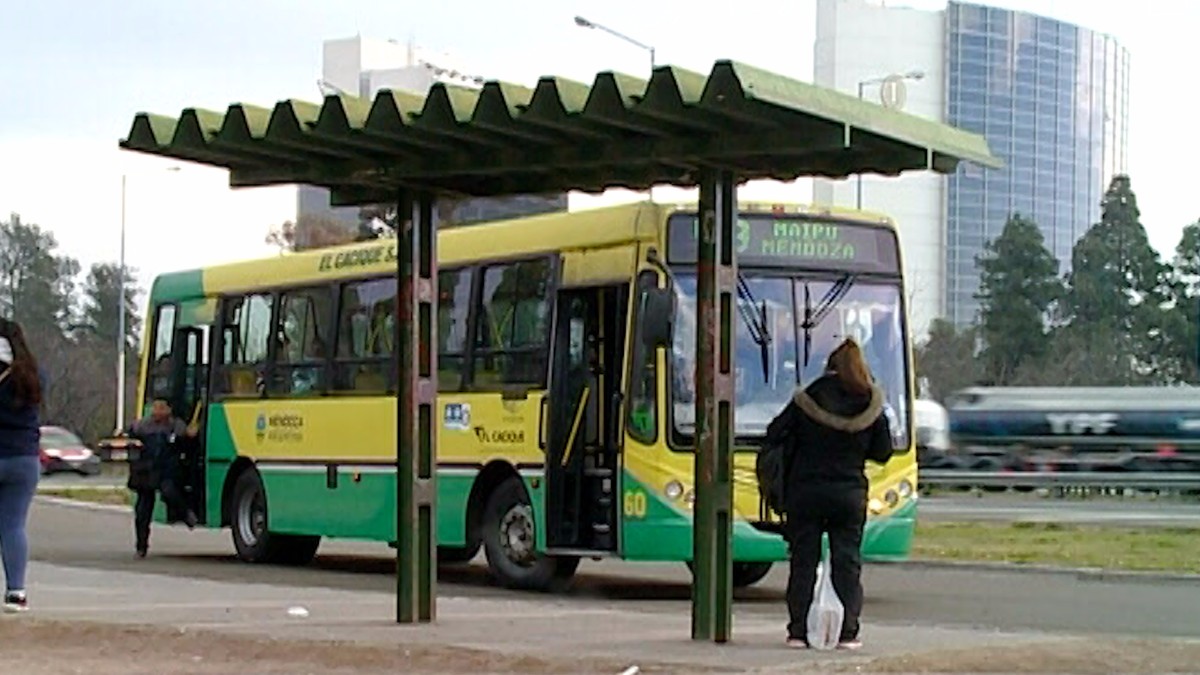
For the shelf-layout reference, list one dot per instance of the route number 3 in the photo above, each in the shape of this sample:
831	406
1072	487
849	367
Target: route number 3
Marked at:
635	504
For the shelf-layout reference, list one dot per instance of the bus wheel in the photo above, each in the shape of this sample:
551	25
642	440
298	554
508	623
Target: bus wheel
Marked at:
749	573
452	555
253	541
509	541
744	573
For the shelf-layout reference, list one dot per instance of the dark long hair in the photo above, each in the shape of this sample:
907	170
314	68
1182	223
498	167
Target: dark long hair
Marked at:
23	371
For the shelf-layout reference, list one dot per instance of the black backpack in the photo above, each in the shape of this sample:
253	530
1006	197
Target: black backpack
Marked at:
771	470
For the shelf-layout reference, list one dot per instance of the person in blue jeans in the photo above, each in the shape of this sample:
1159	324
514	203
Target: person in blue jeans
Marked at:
20	467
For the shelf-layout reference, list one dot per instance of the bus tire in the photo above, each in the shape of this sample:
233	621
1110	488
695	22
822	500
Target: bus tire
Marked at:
509	542
745	574
254	542
457	555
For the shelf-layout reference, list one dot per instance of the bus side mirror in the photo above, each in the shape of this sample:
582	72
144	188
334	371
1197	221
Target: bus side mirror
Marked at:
658	317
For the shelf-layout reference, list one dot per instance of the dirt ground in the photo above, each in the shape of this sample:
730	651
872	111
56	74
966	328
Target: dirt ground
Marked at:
1076	657
36	647
33	647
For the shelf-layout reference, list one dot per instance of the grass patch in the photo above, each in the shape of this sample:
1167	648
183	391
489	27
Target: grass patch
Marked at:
1165	549
114	469
120	496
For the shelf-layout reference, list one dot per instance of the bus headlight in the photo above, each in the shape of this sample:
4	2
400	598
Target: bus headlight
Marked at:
905	488
891	497
673	490
690	498
875	506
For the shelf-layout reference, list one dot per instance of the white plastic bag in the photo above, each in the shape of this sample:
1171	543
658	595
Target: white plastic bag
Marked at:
826	612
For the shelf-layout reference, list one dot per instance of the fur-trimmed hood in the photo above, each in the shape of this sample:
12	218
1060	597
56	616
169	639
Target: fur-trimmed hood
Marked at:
840	421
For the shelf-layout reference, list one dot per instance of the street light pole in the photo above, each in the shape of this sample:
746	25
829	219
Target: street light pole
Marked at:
121	345
584	23
910	75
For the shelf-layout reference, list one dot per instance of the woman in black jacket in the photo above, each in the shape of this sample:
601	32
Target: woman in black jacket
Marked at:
831	428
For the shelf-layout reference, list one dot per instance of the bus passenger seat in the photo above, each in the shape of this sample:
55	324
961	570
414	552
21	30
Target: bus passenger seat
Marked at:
242	381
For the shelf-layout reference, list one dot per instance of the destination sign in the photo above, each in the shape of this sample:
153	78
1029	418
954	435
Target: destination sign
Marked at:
767	240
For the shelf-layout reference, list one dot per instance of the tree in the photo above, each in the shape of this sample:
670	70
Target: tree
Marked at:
73	340
35	284
948	359
379	221
1183	325
1118	286
1018	285
310	231
99	316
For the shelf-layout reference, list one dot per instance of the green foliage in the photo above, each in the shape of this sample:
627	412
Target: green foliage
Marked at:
1118	285
35	283
1018	286
72	330
1122	317
948	359
1183	319
99	313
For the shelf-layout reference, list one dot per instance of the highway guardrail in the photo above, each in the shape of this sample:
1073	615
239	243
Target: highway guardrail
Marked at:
1053	479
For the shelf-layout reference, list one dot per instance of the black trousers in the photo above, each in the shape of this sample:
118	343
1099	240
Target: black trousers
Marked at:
841	512
143	509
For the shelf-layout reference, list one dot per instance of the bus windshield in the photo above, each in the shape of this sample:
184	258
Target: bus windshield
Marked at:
867	310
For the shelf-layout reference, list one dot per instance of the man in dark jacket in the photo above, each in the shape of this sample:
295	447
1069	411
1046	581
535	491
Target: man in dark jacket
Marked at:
830	429
154	467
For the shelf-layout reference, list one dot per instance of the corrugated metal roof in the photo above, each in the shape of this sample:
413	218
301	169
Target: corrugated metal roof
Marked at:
562	135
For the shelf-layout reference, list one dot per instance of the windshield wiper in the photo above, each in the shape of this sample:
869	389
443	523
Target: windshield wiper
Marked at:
755	325
814	317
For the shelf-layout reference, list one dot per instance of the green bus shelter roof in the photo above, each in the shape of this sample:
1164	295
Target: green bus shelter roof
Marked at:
561	135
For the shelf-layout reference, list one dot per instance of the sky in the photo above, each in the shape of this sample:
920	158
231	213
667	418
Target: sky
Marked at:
73	74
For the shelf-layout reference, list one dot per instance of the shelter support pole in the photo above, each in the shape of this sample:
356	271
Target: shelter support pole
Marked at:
416	308
712	579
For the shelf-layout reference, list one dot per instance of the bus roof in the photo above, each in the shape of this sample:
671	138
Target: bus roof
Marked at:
563	231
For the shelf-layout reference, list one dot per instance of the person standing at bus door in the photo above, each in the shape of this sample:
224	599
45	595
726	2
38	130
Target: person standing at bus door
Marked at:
830	428
155	469
21	389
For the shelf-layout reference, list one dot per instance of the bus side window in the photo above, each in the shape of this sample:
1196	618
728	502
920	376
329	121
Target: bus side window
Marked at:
454	304
643	377
512	331
246	336
303	335
160	363
364	337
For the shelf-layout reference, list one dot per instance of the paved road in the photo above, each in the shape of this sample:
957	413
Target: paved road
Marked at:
897	594
65	480
1029	508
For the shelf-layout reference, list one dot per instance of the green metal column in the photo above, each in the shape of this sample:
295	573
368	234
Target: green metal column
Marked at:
712	580
416	307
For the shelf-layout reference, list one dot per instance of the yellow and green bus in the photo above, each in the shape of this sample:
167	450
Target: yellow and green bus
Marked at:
565	350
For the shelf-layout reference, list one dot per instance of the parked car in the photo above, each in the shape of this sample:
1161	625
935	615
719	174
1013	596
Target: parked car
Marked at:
62	450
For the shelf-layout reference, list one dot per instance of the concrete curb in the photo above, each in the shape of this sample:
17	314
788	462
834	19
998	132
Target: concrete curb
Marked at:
79	504
1082	573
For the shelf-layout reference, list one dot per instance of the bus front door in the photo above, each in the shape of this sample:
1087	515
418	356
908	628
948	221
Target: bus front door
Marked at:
582	451
189	394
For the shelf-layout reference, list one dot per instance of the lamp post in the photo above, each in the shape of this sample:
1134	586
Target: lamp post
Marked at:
122	345
584	23
898	79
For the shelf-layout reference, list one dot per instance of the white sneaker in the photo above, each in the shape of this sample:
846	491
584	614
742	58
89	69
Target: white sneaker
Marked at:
15	602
